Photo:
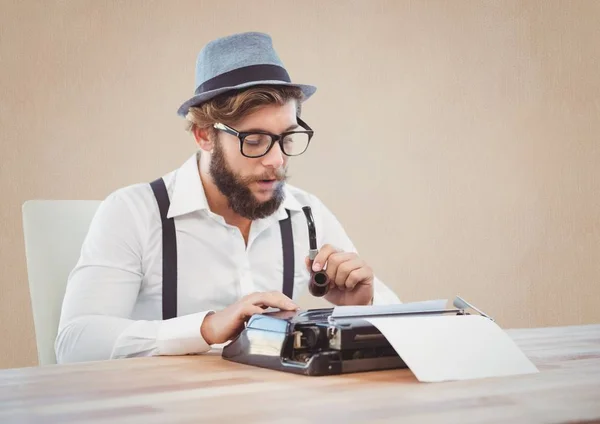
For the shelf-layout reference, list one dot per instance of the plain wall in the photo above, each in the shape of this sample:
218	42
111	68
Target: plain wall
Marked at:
457	141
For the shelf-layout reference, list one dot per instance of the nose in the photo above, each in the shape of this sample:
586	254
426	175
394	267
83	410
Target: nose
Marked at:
274	158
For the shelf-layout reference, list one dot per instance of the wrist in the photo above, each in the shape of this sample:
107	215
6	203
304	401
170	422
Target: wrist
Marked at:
206	329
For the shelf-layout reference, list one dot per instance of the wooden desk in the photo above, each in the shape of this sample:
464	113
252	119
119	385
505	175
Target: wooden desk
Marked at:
194	389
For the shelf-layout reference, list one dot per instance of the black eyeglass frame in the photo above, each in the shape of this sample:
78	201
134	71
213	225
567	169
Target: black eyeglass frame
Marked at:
274	137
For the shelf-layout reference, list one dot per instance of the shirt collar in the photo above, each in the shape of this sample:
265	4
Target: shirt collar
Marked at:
290	202
188	192
189	196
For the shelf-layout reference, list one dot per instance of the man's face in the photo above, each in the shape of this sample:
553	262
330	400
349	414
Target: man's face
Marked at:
253	186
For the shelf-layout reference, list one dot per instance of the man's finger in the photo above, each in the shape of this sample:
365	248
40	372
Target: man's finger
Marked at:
334	262
257	298
323	256
345	268
250	310
358	276
274	300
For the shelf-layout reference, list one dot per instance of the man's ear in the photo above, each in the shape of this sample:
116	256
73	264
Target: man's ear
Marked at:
203	139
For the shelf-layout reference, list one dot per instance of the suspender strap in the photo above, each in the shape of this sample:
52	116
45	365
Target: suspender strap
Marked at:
287	241
169	251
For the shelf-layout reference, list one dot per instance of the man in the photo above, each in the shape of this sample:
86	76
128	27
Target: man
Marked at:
176	266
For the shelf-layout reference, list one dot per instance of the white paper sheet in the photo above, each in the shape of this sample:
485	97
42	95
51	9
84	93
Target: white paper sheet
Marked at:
354	311
453	347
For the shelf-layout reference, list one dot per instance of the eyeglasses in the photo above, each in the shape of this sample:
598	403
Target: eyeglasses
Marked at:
258	143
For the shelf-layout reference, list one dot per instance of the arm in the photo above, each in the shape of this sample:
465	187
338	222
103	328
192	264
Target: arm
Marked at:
102	290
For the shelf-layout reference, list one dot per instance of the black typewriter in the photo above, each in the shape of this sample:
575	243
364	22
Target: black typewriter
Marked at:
310	343
314	342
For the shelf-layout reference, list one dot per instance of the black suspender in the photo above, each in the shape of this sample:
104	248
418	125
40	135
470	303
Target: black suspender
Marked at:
287	244
169	252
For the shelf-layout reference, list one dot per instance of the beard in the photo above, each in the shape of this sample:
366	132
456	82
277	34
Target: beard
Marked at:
236	188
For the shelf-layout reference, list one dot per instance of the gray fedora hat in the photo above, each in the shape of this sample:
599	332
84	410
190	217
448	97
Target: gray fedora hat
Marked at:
235	62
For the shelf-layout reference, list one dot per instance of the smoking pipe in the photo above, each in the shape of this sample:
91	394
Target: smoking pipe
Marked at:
318	285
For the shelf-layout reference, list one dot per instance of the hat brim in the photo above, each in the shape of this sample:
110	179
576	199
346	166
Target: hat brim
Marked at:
307	91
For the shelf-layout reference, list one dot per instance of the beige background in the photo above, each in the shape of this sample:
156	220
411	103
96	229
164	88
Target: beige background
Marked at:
457	141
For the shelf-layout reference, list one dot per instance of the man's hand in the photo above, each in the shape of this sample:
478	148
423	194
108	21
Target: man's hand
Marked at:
226	324
351	278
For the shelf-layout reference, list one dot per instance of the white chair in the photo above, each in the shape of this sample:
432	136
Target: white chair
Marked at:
54	231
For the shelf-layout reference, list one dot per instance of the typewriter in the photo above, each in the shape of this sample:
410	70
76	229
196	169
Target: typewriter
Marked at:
320	342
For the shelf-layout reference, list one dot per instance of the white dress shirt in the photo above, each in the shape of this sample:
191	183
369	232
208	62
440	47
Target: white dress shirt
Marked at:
113	301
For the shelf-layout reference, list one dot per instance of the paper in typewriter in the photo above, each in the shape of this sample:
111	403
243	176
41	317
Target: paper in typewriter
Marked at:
453	347
399	308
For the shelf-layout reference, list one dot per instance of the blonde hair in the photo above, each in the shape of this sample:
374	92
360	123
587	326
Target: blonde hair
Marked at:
229	108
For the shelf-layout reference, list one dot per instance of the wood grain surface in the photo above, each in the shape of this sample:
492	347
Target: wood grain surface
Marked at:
207	388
